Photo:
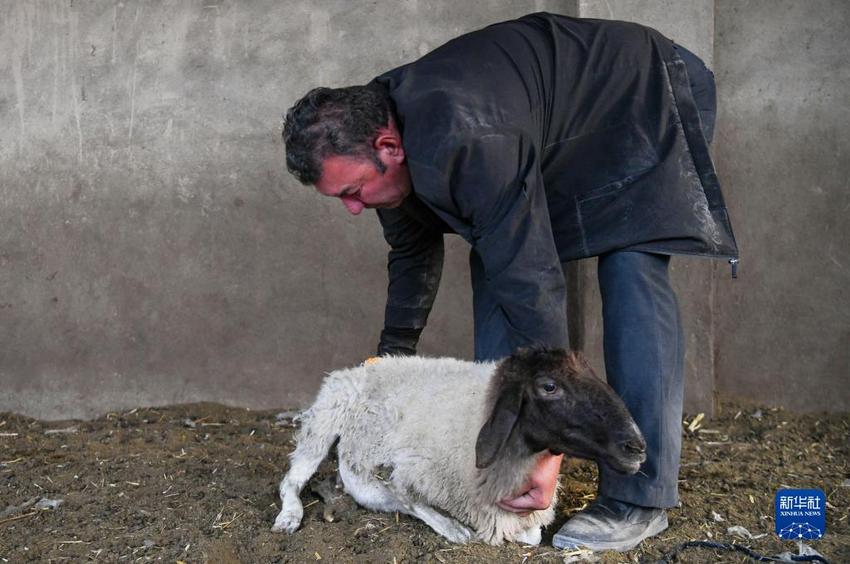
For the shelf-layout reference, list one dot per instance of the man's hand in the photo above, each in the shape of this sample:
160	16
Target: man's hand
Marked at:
537	492
399	341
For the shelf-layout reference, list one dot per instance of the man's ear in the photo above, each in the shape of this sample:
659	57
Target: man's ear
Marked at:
495	432
389	143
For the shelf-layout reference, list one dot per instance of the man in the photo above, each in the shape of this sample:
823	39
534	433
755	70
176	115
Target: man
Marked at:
539	141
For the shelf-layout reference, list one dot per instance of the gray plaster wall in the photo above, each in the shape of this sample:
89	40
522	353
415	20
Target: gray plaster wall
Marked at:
690	23
783	328
153	250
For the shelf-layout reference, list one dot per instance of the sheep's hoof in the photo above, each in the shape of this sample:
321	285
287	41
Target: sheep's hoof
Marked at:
288	520
463	536
456	533
531	536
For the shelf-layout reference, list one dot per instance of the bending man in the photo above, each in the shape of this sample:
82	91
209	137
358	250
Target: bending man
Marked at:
540	141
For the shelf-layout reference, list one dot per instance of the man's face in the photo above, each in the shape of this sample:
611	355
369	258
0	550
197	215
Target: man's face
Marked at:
358	183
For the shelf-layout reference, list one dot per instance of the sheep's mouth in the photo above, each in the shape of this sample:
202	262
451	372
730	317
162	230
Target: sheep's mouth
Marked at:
625	463
624	460
627	466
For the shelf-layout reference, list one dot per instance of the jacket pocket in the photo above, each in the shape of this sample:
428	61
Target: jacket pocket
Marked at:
616	214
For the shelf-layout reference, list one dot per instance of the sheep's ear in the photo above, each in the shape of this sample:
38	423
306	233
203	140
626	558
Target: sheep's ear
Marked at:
575	363
495	432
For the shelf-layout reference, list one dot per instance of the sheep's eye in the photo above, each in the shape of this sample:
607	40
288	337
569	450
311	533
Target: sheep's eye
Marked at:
548	388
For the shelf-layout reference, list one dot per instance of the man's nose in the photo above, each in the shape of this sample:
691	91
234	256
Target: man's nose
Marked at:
353	205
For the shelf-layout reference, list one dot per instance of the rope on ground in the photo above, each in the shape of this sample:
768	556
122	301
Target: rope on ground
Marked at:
737	547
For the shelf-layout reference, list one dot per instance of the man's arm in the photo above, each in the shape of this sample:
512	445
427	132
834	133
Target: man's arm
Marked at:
497	187
415	264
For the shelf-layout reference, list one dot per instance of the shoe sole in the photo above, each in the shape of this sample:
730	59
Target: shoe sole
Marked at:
655	526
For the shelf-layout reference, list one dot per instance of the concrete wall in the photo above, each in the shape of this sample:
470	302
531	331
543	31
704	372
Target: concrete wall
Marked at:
783	149
153	250
690	23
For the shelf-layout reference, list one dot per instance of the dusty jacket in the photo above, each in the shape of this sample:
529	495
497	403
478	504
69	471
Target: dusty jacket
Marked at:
543	140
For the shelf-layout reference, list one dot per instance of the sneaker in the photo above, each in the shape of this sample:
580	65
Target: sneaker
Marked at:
609	524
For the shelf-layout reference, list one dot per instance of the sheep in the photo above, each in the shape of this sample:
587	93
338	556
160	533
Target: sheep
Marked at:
443	440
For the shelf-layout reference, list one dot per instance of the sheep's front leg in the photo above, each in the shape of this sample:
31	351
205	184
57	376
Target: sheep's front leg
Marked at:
403	501
444	525
380	493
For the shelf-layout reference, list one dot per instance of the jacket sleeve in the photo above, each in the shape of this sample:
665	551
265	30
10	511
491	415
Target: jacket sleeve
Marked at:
414	265
496	185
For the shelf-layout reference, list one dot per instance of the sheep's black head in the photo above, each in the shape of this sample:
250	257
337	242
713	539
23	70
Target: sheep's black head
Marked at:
551	399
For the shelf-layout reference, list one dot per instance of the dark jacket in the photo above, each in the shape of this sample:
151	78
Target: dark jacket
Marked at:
543	140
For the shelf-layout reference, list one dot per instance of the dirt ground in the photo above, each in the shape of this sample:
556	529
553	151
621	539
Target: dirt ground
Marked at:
197	483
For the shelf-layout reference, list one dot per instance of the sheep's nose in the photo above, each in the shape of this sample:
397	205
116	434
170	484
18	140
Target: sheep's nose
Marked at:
633	446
